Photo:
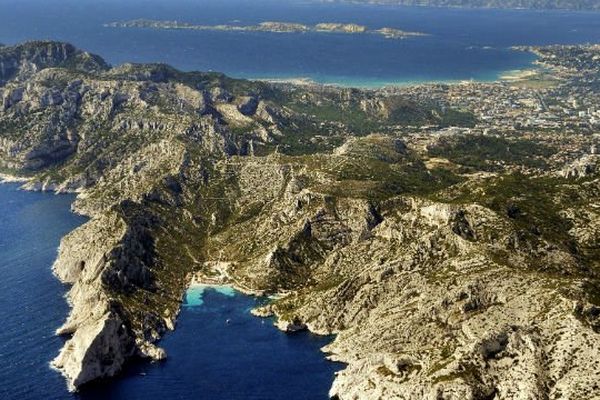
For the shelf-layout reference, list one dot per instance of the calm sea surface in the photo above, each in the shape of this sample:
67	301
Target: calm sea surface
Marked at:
464	44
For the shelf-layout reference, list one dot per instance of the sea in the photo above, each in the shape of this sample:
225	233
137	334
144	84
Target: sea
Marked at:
463	44
219	351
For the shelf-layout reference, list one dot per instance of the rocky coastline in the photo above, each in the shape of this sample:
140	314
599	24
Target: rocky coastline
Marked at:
362	213
7	178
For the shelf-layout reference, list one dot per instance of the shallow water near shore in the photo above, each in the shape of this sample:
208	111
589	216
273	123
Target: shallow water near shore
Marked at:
218	351
194	296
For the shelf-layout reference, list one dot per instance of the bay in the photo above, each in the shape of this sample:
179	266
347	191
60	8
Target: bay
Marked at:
464	43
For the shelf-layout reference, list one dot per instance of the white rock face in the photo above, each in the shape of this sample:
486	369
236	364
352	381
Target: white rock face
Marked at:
290	326
149	350
475	330
424	306
99	343
98	348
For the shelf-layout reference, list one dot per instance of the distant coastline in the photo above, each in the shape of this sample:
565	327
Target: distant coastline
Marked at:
269	26
509	76
540	5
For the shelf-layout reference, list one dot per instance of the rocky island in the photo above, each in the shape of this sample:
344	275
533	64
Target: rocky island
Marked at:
448	235
269	26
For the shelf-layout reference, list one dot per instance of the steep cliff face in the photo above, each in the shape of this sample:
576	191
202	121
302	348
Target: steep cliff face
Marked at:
111	255
437	283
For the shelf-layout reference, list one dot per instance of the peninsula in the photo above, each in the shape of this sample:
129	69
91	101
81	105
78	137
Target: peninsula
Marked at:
448	235
269	26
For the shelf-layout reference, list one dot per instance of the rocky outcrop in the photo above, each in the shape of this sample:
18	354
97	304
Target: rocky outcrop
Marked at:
22	61
581	168
105	259
97	349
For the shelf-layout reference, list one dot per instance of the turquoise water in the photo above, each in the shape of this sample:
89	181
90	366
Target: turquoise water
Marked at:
464	44
219	351
195	294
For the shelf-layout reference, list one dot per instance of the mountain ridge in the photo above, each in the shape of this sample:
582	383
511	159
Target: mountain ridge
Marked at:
443	275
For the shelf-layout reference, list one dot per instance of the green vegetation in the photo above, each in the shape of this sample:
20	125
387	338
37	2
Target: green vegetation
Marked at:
307	141
533	204
457	118
352	116
376	168
488	153
378	180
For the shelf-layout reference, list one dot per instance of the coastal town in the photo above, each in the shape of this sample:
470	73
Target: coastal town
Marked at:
558	94
554	103
557	101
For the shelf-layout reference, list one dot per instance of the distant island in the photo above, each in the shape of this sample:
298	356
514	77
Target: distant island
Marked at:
507	4
269	26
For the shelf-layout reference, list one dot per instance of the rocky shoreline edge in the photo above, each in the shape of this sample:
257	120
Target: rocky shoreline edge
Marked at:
440	274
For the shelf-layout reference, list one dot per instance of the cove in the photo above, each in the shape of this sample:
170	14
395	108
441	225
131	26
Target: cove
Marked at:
218	351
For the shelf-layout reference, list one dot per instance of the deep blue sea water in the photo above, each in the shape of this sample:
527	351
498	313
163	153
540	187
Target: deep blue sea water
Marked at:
464	44
218	351
31	299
